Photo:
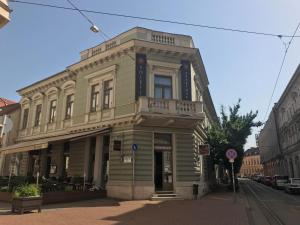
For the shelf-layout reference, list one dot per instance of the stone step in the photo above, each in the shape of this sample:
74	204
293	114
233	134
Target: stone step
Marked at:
165	197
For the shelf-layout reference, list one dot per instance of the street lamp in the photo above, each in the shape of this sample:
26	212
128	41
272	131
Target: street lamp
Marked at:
94	28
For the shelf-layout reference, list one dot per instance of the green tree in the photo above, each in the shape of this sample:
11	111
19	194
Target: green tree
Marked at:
231	131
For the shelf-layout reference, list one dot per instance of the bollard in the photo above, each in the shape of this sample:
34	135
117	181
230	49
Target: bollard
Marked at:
195	190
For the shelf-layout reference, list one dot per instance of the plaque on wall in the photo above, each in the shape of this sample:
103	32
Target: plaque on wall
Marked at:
140	75
186	93
117	145
53	169
204	149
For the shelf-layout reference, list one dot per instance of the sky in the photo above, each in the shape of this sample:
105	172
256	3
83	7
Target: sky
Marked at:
39	42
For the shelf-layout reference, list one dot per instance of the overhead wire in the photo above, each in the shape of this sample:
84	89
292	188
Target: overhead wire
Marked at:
179	23
158	20
92	23
88	19
280	70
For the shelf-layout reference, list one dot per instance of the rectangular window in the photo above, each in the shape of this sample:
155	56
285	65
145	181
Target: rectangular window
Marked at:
162	141
69	106
162	87
38	115
25	118
52	111
94	97
108	94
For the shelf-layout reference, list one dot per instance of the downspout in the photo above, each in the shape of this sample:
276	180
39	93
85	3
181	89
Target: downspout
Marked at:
274	111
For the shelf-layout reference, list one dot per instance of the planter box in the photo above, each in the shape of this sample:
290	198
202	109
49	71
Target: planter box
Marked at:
5	197
23	204
71	196
60	196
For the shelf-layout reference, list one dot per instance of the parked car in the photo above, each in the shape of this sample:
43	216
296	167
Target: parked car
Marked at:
293	186
267	180
258	178
279	182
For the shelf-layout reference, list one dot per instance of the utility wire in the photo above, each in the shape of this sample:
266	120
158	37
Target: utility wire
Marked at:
88	19
281	66
159	20
91	22
80	12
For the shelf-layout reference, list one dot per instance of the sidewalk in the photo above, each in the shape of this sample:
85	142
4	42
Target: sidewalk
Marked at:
213	209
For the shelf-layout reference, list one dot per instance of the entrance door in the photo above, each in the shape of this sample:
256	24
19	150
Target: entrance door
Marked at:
158	161
163	166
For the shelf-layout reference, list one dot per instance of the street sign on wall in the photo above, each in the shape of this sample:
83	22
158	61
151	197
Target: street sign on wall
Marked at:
134	147
204	149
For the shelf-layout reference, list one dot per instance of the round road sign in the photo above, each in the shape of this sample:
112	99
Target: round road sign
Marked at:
134	147
231	154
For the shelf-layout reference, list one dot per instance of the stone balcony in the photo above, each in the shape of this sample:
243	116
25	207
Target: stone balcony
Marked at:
168	112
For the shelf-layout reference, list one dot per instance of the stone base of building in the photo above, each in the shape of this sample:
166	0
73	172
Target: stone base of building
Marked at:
185	190
124	190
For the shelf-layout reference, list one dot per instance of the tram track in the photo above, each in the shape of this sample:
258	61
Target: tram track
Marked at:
278	192
270	215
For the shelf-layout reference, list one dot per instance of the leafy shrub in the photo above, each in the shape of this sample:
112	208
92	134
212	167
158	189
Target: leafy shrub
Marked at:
68	188
27	190
4	189
77	180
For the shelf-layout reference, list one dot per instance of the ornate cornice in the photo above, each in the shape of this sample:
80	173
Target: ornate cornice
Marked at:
42	86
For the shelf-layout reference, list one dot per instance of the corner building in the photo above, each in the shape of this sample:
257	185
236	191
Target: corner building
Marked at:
143	90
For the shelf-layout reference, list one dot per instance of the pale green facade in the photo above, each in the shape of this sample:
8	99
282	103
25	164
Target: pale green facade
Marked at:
92	136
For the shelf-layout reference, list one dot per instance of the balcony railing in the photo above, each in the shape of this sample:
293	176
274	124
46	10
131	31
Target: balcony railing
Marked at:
170	106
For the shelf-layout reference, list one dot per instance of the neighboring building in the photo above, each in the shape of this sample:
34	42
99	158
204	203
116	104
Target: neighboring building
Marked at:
4	13
142	87
251	163
5	102
5	105
279	141
12	112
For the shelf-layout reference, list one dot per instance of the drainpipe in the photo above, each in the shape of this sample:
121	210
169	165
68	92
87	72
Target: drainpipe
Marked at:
3	141
274	111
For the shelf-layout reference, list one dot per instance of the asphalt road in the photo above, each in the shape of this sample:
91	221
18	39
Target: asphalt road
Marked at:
266	205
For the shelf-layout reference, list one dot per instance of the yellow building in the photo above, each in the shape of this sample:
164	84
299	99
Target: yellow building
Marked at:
251	163
4	13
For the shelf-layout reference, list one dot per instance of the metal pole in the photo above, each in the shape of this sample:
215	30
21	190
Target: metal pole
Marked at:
3	128
133	174
10	172
233	182
37	178
83	181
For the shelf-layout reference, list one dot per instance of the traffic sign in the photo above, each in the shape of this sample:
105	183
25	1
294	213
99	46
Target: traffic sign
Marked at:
203	149
134	147
231	154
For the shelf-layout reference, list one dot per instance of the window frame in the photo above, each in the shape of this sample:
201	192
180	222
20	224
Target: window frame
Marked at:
25	119
95	96
108	91
38	115
69	105
52	111
162	86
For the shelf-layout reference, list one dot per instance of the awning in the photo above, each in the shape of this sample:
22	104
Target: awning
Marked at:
43	142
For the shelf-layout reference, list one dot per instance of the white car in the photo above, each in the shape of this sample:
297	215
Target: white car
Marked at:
293	186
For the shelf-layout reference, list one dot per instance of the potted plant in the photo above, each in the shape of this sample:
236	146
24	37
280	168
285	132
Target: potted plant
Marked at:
25	198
